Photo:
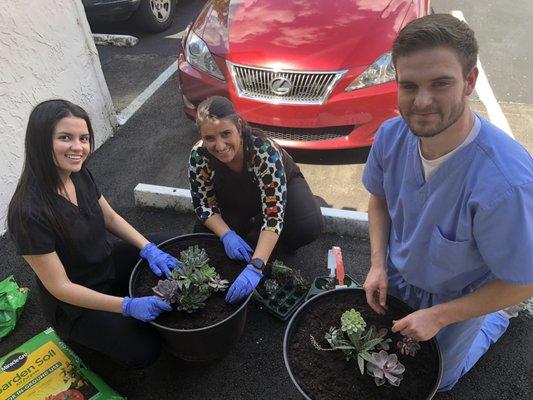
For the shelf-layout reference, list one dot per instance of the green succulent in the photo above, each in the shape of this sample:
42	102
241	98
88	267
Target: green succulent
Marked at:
194	257
352	322
281	272
352	339
189	287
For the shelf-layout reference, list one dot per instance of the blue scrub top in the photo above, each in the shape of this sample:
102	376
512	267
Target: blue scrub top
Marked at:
470	222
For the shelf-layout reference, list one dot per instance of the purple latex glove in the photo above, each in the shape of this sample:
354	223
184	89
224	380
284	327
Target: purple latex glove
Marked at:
159	261
235	246
144	308
244	284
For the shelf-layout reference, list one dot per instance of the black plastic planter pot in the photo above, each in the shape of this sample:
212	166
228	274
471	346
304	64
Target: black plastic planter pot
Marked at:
324	375
197	343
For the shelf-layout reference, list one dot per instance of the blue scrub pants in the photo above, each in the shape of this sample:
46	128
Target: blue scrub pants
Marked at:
461	344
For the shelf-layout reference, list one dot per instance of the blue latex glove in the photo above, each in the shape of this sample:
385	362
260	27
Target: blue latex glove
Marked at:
144	308
159	261
235	246
244	284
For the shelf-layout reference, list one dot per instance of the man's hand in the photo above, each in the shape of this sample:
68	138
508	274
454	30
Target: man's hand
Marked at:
420	325
375	287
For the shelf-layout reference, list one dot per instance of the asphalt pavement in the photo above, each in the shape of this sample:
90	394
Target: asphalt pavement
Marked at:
144	150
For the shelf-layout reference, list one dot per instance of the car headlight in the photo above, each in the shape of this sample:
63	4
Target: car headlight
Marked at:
198	55
381	71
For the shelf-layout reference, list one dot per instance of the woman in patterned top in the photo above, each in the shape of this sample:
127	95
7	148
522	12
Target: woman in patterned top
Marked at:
243	185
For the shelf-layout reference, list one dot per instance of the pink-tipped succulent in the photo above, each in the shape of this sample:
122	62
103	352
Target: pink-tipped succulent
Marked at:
167	289
385	368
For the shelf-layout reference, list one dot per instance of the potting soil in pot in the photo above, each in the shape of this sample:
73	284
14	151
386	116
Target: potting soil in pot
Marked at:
216	308
327	374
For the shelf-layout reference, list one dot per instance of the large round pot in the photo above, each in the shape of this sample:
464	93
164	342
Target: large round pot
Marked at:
180	330
327	375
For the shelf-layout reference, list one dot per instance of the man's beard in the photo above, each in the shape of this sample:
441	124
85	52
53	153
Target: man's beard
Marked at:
441	126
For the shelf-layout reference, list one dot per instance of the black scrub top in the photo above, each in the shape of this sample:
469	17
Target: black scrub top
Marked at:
87	258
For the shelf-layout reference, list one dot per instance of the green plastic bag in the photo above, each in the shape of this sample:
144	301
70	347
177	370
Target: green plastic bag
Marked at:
12	300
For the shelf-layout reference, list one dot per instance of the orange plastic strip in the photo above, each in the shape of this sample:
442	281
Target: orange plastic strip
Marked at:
340	265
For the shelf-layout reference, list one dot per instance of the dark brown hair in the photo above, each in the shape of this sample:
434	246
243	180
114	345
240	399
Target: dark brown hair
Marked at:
438	30
216	107
40	176
219	107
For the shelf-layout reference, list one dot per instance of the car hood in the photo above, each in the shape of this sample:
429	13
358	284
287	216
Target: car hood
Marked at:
301	34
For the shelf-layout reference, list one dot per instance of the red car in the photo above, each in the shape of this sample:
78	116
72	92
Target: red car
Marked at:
314	74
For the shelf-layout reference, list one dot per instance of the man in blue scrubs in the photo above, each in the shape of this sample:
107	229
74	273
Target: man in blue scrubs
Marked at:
451	202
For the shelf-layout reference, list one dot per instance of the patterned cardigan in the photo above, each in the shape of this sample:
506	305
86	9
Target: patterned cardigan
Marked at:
264	162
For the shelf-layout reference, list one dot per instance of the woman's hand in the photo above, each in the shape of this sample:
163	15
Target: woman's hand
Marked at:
159	261
235	246
244	284
144	308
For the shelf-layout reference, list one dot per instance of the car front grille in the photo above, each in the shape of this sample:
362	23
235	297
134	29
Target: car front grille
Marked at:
283	87
305	134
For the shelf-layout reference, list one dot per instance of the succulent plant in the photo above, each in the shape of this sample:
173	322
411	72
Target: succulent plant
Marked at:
352	322
352	340
528	307
217	283
271	286
166	289
194	257
408	346
374	333
191	300
280	272
335	337
190	286
385	368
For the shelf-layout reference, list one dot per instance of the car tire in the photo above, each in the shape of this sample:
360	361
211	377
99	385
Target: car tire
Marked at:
155	15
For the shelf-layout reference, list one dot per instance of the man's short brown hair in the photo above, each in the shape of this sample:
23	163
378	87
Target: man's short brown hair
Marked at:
438	30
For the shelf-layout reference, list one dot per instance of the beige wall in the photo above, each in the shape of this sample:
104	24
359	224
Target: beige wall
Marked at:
46	51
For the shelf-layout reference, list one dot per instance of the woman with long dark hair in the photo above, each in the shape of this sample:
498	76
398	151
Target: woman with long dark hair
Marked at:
58	220
247	190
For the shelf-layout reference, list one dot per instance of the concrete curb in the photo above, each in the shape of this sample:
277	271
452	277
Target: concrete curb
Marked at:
103	39
343	222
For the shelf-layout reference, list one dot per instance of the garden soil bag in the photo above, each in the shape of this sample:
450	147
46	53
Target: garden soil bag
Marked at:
12	300
45	368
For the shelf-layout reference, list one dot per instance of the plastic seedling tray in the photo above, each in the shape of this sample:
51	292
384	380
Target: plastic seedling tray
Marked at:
325	283
283	301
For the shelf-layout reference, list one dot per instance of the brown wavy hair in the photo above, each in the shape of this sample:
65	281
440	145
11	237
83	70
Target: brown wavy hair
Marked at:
438	30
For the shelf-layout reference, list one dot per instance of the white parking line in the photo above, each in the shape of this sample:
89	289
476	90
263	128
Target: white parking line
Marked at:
132	108
485	93
125	114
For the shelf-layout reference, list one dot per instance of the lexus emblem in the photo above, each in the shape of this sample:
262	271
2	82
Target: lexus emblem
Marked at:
280	85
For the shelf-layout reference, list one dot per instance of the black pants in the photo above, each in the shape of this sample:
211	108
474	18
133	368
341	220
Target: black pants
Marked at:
126	340
302	222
